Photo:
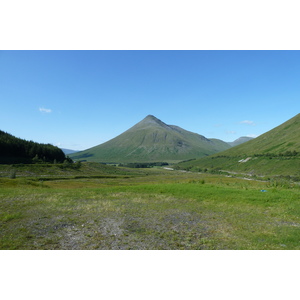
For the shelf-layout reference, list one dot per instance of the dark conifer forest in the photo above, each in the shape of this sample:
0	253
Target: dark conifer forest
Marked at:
14	150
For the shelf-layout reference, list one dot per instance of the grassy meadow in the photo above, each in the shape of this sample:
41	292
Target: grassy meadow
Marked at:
96	206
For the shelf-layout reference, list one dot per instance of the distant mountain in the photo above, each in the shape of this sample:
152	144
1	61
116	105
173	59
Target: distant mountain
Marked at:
239	141
14	150
275	152
151	140
69	151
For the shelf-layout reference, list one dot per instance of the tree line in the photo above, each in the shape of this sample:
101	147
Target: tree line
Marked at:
144	165
16	150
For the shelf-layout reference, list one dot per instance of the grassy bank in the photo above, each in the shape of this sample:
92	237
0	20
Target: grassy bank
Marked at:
152	209
270	166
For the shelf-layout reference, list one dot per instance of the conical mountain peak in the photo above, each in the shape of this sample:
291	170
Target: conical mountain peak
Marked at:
151	118
152	140
150	121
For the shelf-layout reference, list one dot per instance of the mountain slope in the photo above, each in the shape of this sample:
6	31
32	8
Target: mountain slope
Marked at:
276	152
285	137
239	141
68	151
152	140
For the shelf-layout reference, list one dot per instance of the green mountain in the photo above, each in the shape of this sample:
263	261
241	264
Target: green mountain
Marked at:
68	151
14	150
239	141
151	140
285	137
276	152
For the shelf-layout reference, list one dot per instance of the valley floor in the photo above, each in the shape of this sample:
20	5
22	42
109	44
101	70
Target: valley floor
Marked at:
116	208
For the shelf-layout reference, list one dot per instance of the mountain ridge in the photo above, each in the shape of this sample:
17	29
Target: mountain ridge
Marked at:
284	137
240	140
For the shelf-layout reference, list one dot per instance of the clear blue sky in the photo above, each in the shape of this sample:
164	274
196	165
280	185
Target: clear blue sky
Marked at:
79	99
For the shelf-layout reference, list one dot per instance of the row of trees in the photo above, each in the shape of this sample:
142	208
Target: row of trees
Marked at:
282	154
16	150
144	165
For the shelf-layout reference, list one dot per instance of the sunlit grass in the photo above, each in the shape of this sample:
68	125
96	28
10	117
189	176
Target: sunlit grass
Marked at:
157	210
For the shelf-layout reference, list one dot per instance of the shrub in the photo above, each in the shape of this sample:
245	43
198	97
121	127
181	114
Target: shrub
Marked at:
13	174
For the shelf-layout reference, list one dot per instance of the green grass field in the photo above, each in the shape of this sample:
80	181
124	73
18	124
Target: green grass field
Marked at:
103	207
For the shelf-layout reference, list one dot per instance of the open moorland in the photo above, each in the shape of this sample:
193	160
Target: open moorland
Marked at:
96	206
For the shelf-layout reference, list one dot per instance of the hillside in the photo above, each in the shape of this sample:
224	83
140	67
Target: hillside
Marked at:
151	140
276	152
285	137
68	151
15	150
